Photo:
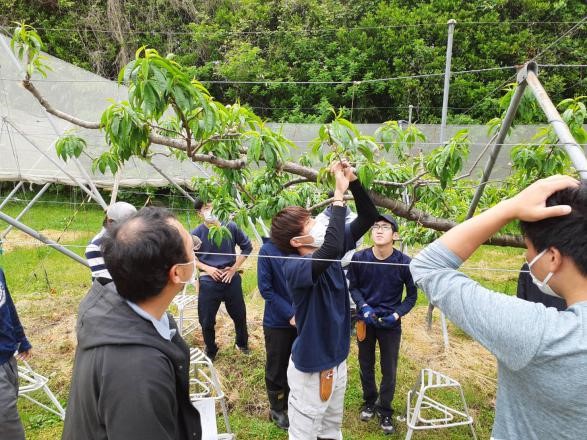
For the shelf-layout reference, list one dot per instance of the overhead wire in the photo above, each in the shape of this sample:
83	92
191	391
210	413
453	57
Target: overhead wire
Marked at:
542	52
279	257
307	31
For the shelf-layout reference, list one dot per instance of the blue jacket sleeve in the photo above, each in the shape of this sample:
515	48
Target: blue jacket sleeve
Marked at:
355	291
366	214
16	325
241	239
411	291
265	282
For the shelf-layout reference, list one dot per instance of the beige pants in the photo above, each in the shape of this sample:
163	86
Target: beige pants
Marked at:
309	416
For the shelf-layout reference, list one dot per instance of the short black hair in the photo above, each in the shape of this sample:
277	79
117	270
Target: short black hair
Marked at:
568	233
140	251
198	203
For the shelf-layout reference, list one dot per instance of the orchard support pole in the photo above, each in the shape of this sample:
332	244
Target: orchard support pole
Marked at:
12	193
25	209
451	28
566	139
24	228
503	131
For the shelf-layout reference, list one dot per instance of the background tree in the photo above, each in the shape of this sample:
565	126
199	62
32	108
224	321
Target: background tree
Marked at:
327	40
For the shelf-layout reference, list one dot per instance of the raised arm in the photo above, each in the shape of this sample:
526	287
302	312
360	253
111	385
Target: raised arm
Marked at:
366	212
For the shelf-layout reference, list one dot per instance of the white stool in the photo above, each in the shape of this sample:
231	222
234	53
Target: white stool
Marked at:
31	382
205	391
441	416
186	306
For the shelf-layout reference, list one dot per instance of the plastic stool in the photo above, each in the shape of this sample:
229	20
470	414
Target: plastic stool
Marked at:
444	416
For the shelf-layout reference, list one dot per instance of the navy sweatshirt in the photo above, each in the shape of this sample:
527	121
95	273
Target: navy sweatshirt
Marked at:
12	337
228	246
381	286
319	290
273	287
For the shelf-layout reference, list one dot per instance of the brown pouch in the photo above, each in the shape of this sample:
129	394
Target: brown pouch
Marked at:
361	328
326	379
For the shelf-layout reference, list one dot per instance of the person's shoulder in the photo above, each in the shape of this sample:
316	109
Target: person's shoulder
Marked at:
295	261
199	229
137	357
363	254
269	248
400	256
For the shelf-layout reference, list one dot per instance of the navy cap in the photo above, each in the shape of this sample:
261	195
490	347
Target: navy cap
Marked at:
389	219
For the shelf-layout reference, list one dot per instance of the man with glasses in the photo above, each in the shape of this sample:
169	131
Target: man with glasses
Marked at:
377	278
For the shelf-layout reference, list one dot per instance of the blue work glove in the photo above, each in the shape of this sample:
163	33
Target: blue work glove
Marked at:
368	315
387	321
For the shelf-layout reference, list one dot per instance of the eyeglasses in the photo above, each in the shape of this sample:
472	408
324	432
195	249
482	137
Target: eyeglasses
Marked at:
196	242
381	227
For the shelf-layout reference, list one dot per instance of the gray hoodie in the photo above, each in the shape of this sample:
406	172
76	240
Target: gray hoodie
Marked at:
128	382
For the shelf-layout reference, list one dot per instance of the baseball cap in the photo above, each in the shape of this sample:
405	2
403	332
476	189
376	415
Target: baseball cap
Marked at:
120	211
389	219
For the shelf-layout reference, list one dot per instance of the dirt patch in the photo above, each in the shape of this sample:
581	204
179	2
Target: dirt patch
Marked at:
51	329
18	239
465	360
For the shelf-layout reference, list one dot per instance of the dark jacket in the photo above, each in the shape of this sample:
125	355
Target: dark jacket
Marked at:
12	336
273	287
530	292
128	382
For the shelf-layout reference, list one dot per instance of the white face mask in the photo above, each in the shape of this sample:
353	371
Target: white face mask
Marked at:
192	279
317	233
209	216
542	285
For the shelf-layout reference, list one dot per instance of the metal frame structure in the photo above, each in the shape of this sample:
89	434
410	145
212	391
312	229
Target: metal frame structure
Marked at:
205	389
35	382
528	78
446	416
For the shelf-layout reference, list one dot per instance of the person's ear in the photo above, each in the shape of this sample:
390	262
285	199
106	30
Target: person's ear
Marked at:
174	274
395	236
295	243
554	259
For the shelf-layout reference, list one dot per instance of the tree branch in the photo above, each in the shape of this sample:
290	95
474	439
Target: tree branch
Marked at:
66	117
295	182
328	202
153	137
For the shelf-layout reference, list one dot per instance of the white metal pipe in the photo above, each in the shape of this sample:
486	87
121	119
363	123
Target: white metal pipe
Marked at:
451	27
12	193
24	228
26	209
566	139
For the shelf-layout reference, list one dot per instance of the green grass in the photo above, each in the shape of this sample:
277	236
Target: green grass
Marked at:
48	286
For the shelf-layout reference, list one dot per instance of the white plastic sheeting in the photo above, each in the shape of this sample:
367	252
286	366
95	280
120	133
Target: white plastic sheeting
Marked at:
84	95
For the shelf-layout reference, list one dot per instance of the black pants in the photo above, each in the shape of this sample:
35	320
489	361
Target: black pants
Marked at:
209	299
389	340
278	342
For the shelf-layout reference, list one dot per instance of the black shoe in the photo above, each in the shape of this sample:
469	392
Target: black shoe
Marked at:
367	412
210	354
279	418
386	425
243	350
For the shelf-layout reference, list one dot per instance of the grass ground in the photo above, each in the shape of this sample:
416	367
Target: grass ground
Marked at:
48	286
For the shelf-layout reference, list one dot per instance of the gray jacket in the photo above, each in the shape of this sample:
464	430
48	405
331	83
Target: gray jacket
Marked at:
128	382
